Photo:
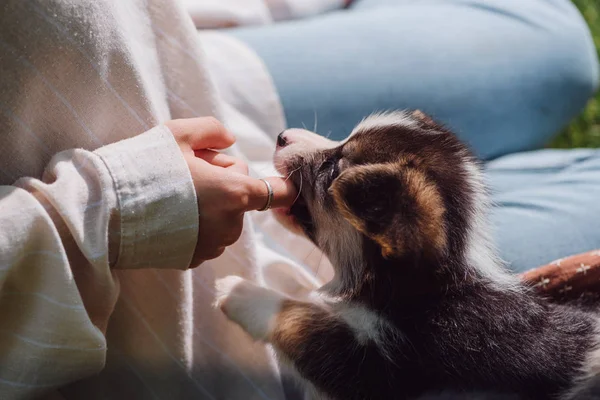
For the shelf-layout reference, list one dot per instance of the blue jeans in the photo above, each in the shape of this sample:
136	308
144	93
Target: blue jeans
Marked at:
505	75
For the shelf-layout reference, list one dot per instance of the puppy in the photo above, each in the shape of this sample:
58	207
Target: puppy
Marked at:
419	304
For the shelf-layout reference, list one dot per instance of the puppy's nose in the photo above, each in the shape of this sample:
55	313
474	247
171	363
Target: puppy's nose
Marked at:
281	142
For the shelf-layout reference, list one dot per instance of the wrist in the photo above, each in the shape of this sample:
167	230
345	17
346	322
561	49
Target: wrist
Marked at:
157	214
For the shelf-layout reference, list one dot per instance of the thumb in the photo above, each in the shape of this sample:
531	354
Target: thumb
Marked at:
284	193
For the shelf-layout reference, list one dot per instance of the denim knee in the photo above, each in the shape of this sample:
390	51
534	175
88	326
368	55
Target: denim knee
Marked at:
577	64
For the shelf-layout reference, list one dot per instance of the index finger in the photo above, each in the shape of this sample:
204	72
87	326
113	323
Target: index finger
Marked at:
284	193
201	133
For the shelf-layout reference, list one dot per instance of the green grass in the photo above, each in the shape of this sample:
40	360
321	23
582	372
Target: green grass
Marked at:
584	131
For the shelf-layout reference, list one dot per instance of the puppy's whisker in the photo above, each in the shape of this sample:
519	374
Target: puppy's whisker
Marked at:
299	191
309	254
316	121
291	173
319	264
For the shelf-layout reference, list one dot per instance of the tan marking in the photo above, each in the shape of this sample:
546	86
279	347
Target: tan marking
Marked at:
294	321
389	250
430	225
431	208
424	119
421	116
340	201
409	159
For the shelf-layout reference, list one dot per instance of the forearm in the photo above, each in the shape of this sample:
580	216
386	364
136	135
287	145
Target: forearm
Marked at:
127	205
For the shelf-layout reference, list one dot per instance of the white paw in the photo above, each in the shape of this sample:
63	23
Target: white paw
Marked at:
223	289
250	306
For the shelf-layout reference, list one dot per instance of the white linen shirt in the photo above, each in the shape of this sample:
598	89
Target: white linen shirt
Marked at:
98	215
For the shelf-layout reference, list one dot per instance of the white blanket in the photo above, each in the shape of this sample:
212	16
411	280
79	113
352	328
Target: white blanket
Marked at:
94	242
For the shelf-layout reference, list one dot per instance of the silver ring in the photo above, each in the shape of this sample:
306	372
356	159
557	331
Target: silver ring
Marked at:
270	195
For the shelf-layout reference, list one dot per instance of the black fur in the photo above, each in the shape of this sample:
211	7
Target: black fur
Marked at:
455	331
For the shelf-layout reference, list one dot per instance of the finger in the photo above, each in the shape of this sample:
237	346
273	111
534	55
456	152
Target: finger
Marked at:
234	231
201	258
284	193
223	160
215	158
216	253
201	133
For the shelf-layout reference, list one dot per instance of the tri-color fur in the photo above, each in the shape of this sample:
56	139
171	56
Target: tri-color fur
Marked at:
420	304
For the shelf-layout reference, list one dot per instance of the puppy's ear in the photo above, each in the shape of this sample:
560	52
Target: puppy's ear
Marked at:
395	205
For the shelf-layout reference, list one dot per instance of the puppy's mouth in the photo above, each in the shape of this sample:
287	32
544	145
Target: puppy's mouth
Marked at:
299	212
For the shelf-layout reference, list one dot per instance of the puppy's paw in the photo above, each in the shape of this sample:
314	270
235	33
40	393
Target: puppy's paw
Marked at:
250	306
223	289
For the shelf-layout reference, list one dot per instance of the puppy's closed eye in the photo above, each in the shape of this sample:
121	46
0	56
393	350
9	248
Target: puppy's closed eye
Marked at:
328	171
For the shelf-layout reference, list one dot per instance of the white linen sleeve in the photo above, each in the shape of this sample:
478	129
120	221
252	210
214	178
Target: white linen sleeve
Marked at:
130	204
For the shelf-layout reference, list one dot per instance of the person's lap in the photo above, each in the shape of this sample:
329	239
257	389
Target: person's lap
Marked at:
547	205
490	69
505	75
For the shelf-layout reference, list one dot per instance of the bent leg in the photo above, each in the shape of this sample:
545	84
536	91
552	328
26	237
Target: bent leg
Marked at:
299	331
547	205
504	74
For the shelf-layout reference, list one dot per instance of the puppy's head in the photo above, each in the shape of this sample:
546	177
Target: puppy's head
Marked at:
400	184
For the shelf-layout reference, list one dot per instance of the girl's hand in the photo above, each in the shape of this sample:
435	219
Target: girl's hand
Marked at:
223	188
